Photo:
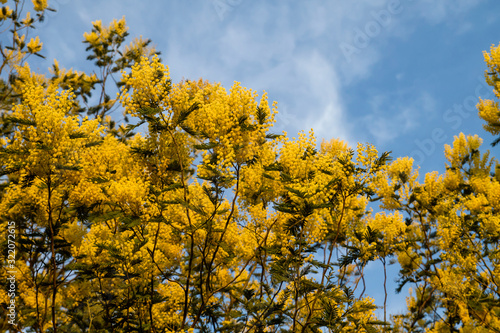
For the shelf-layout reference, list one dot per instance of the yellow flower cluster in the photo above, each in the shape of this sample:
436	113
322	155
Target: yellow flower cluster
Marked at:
296	156
167	314
146	86
68	78
489	109
367	154
408	259
27	20
139	46
360	316
390	225
462	147
229	121
39	5
100	34
492	60
451	180
34	45
390	182
49	139
5	14
490	112
49	142
255	188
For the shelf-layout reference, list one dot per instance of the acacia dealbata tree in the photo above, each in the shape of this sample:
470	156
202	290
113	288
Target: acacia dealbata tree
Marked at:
191	215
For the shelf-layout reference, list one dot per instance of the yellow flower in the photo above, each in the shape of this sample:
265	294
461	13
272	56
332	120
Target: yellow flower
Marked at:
8	12
39	5
91	38
34	45
28	20
489	111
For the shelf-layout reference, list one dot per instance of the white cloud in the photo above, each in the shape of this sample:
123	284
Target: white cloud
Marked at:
321	88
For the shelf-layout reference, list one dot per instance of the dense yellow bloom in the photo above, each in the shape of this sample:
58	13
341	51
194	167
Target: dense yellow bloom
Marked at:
399	178
462	146
489	111
492	60
392	226
148	84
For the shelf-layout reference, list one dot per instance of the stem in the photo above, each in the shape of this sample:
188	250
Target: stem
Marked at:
152	280
53	253
90	316
186	291
307	322
191	236
385	292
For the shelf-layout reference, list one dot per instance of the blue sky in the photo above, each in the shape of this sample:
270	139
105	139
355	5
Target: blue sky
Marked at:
404	75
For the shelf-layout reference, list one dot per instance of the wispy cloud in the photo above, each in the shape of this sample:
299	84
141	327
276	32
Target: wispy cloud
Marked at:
320	88
393	116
